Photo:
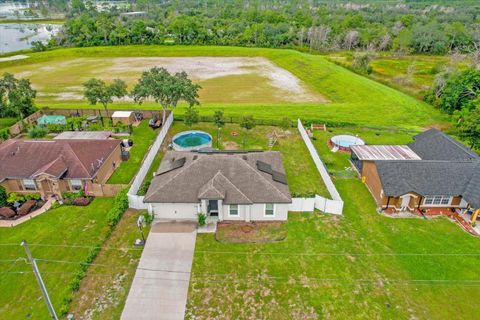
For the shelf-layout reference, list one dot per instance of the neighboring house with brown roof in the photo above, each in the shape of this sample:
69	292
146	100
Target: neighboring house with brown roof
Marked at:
248	186
51	167
432	172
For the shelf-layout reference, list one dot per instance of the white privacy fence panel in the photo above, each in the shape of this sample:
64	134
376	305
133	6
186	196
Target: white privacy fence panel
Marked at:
302	205
328	205
136	202
334	205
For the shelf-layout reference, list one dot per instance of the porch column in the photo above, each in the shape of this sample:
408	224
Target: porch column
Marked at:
220	209
248	212
204	206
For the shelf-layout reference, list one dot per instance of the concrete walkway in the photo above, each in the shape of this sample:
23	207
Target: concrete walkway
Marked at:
160	287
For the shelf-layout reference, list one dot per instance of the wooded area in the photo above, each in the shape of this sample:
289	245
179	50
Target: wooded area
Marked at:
408	27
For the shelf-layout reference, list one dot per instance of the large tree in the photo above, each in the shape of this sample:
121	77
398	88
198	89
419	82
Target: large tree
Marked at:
16	97
166	89
469	128
97	91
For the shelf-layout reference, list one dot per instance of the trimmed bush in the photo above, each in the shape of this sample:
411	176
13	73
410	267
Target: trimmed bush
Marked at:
119	207
3	197
26	207
14	197
82	202
202	219
37	132
6	212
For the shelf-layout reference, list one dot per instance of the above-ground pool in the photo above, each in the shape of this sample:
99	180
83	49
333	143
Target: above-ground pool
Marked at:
344	141
191	140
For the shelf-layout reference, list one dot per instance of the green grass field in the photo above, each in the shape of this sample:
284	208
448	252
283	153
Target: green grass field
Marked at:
393	70
353	98
68	225
360	265
7	122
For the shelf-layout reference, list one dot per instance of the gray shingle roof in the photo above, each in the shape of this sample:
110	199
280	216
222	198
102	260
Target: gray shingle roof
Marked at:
233	177
431	177
435	145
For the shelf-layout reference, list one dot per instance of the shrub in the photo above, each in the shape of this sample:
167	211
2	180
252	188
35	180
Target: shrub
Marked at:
82	201
37	132
32	196
202	219
72	195
3	197
4	134
13	197
119	207
26	207
144	188
6	212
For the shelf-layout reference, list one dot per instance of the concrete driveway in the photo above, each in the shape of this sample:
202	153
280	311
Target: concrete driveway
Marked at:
160	287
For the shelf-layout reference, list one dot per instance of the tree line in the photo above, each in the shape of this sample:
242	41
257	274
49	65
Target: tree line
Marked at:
412	27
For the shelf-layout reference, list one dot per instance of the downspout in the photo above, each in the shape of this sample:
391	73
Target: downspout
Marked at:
388	202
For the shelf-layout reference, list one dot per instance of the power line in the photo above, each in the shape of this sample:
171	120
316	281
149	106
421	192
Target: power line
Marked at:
263	253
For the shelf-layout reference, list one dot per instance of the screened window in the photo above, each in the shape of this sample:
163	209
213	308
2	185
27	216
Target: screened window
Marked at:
437	200
29	184
269	209
233	210
76	185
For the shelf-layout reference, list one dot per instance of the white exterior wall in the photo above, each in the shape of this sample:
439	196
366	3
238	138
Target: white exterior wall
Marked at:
177	211
258	212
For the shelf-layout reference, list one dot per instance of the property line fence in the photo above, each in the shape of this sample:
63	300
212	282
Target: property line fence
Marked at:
135	201
334	205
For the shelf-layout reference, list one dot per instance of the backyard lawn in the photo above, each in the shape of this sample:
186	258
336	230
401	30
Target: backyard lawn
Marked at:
347	97
302	176
20	296
7	122
359	265
143	137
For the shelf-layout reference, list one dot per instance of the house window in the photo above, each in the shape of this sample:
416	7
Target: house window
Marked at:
437	200
233	210
269	209
76	185
29	184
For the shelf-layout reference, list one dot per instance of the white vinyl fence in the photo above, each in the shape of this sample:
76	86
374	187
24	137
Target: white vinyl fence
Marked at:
134	201
334	205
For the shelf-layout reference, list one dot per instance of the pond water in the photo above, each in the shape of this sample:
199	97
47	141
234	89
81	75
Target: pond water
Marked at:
19	36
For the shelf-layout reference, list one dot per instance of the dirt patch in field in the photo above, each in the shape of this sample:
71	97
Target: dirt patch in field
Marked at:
230	145
251	232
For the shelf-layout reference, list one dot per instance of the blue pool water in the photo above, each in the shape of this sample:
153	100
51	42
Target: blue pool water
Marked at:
346	141
191	140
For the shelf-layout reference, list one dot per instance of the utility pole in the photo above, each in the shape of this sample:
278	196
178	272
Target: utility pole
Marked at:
38	276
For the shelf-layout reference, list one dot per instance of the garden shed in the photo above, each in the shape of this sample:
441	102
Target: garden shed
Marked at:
125	117
51	119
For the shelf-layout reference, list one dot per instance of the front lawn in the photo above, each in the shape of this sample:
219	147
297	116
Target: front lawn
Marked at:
360	265
104	290
143	137
250	232
302	175
20	296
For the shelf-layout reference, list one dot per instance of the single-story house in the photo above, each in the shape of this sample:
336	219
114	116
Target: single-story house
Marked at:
51	119
432	172
55	166
124	117
242	185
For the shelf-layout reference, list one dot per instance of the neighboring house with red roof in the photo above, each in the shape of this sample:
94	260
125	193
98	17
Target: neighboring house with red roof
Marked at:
230	185
51	167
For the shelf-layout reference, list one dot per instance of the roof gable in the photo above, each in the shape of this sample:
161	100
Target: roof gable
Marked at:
232	177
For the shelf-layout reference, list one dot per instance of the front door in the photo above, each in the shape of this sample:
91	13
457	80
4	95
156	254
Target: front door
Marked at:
213	208
405	202
46	188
